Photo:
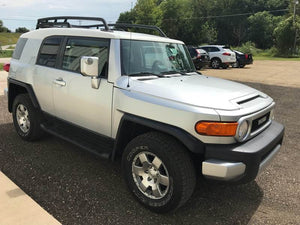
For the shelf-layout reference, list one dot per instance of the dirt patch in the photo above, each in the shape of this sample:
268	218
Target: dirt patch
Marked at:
280	73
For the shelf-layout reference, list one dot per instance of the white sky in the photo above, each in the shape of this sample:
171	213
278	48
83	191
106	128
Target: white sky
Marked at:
24	13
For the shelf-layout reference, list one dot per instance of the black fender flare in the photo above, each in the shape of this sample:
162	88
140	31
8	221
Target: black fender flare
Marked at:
13	92
190	142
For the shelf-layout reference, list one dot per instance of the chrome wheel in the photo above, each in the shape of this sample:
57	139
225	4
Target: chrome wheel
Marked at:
215	64
150	175
23	118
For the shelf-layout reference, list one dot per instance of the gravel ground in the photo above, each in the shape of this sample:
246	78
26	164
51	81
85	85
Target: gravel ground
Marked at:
79	188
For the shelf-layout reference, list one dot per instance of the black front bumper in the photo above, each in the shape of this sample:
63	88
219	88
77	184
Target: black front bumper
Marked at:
252	153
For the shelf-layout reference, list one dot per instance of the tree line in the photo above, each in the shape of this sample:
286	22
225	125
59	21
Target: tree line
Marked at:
4	29
263	23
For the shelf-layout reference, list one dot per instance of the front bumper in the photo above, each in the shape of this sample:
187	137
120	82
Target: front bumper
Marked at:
244	161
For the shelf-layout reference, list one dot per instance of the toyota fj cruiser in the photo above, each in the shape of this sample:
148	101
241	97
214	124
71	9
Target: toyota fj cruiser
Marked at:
138	96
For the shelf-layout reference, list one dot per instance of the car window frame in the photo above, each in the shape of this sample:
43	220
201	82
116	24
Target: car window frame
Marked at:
62	50
58	53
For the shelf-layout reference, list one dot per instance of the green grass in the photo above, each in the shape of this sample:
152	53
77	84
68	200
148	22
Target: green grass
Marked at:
11	47
262	57
9	38
1	66
6	53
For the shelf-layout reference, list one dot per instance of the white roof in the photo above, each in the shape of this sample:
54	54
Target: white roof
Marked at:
45	32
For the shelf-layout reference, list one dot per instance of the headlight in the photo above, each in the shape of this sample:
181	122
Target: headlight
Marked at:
243	130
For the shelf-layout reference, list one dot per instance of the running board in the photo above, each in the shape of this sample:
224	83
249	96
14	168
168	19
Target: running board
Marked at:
87	140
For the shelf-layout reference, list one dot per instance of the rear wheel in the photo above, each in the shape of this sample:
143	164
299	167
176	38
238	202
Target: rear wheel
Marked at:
26	118
224	66
159	171
215	63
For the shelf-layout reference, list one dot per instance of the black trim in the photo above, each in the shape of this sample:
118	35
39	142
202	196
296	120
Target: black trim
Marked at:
12	93
48	22
140	26
86	139
194	145
251	153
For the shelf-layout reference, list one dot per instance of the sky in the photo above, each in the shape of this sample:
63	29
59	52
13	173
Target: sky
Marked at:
24	13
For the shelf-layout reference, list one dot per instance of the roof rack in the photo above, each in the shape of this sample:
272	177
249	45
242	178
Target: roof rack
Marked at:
141	26
62	21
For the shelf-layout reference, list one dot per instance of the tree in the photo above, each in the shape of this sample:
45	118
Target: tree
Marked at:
3	29
21	30
261	27
285	35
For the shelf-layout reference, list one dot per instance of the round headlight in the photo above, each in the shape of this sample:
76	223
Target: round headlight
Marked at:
243	130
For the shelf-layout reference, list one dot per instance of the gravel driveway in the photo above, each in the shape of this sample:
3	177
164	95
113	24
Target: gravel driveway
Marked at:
79	188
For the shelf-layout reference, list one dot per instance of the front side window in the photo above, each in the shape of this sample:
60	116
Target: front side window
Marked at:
78	47
49	51
154	57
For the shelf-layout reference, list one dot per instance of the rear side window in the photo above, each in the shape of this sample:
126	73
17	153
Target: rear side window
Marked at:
78	47
49	51
19	48
214	49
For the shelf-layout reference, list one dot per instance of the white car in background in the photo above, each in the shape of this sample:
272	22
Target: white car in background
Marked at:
220	56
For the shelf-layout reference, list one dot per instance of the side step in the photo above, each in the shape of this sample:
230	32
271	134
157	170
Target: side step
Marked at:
97	144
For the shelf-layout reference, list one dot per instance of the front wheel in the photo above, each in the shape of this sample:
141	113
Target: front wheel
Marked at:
159	171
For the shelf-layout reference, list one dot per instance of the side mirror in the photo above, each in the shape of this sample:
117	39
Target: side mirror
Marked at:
89	67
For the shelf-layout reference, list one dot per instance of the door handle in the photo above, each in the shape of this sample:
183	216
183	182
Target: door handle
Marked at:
59	81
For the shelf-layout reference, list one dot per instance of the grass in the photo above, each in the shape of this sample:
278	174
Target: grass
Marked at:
263	57
9	38
11	47
1	66
6	53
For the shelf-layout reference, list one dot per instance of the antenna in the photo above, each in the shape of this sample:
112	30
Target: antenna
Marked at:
129	61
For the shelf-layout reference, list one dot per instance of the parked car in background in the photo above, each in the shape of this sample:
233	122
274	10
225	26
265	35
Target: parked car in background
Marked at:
220	56
242	59
200	57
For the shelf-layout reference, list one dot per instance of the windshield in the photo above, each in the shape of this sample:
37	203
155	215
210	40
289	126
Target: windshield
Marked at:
145	57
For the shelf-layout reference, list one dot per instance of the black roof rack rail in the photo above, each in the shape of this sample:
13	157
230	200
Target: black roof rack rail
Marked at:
141	26
62	21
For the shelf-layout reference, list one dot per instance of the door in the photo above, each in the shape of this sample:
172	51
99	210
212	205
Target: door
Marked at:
46	71
75	100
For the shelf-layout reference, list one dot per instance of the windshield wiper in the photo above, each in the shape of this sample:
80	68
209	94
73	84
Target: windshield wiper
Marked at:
172	72
144	74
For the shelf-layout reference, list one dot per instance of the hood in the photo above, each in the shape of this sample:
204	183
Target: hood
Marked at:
195	90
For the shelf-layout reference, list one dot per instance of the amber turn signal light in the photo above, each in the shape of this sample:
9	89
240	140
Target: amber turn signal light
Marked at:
216	128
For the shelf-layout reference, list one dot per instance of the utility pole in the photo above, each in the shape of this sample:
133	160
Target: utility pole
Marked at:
296	2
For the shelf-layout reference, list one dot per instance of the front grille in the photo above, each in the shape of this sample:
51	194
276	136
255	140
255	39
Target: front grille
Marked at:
259	122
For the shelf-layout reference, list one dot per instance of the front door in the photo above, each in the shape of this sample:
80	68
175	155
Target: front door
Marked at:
75	100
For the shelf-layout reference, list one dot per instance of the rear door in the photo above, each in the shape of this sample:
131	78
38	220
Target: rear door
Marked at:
75	100
46	71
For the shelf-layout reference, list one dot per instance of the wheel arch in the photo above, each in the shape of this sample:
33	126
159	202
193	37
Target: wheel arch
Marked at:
17	87
216	57
132	126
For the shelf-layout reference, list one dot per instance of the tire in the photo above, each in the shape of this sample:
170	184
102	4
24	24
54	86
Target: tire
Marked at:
215	63
242	65
224	66
164	177
236	64
26	118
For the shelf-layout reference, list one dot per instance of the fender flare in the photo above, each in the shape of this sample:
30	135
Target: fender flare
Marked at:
12	84
191	143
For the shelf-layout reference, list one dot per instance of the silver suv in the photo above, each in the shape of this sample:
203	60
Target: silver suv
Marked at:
220	56
138	97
